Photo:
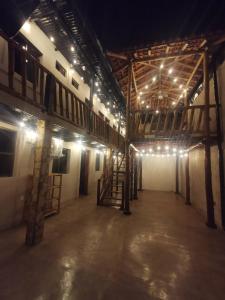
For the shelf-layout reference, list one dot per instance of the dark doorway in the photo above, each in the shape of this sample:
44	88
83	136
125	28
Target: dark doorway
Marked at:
84	170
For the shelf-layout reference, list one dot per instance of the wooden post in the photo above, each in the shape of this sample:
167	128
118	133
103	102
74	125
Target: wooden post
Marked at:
135	196
140	175
208	171
220	148
177	174
38	197
127	145
131	174
187	173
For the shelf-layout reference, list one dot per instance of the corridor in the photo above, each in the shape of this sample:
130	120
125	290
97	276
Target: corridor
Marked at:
164	251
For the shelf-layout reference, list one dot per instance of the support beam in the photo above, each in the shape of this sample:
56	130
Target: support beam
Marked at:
38	197
177	174
127	146
140	175
208	172
187	175
135	196
220	148
117	55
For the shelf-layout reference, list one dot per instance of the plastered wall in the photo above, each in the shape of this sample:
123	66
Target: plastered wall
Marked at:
158	173
15	189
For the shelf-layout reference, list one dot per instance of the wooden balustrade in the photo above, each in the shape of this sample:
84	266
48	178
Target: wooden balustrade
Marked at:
172	122
34	84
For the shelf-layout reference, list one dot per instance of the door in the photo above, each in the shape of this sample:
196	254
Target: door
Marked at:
84	172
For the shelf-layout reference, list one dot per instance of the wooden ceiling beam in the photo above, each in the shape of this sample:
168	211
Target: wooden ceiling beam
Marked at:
117	55
167	56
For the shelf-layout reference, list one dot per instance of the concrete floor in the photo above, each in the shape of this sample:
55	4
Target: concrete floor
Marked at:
162	251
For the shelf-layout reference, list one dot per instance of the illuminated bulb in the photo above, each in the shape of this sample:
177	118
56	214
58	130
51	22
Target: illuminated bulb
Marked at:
114	105
158	148
186	154
150	150
108	103
139	97
167	147
95	95
141	93
154	79
181	151
72	48
146	87
147	106
174	149
143	151
52	39
25	48
83	68
99	90
96	83
142	102
175	80
161	66
170	71
173	103
157	111
82	78
22	124
75	61
180	86
26	26
108	110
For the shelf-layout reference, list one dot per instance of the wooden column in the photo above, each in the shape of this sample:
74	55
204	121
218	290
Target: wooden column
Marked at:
38	197
187	175
140	174
177	174
127	145
220	148
135	195
208	171
131	174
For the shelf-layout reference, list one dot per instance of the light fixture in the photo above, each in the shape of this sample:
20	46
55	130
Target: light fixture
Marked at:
52	39
150	150
22	124
161	66
114	105
141	93
139	97
154	79
143	151
173	103
170	71
24	47
26	26
167	147
72	48
75	61
31	135
83	68
157	111
174	149
147	106
142	102
108	103
146	87
180	86
175	79
96	83
99	90
82	78
158	148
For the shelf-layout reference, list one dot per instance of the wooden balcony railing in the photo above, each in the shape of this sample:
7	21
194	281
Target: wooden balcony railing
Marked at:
23	76
186	121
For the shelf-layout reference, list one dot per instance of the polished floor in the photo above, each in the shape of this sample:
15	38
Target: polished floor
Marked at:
162	251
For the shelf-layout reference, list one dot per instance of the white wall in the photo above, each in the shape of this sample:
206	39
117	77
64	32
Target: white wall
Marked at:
159	173
42	42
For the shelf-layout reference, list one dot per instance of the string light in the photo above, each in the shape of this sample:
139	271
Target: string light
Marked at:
175	80
146	87
161	66
52	39
75	61
157	111
170	71
173	103
154	79
72	49
180	86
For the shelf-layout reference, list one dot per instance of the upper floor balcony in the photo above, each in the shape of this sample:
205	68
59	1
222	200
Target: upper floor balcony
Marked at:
28	85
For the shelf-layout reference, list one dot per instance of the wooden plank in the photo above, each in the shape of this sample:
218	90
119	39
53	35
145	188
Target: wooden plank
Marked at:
11	64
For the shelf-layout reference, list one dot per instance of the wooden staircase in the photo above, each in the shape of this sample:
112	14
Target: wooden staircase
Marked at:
110	191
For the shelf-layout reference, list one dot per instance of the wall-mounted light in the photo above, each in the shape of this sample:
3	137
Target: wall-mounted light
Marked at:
26	26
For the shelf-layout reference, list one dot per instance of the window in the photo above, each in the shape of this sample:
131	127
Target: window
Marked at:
97	162
7	150
61	164
60	68
75	83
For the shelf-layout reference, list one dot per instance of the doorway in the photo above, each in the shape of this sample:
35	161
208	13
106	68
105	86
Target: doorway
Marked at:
84	172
